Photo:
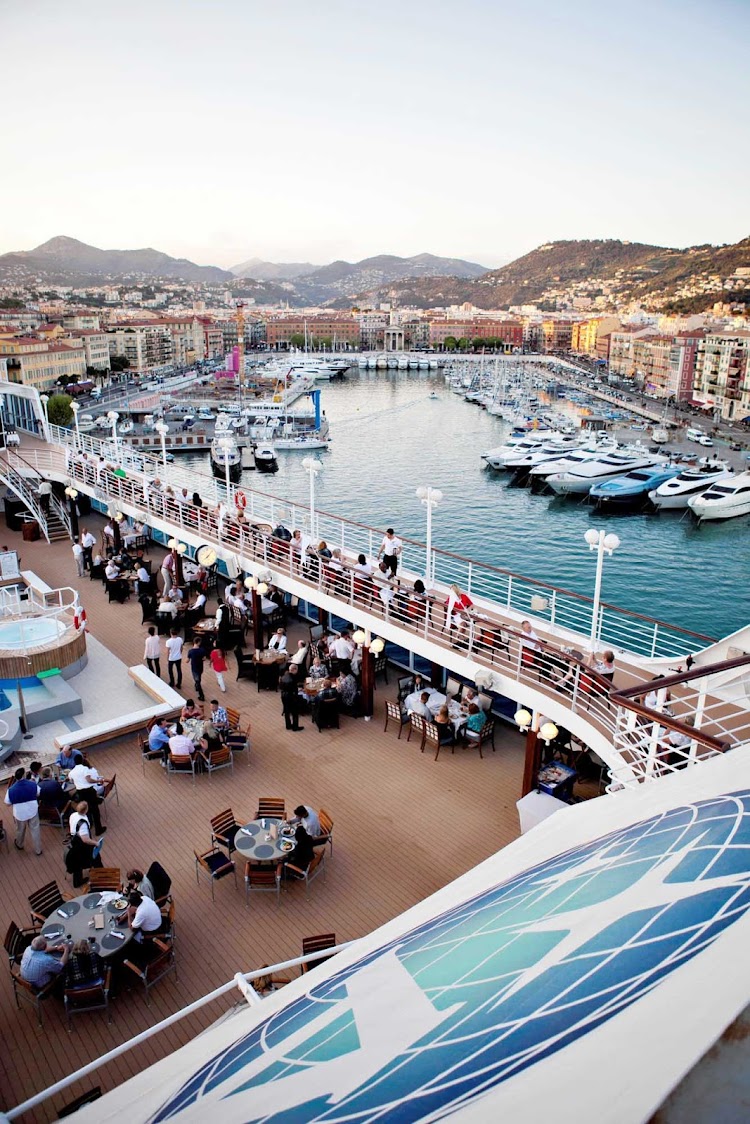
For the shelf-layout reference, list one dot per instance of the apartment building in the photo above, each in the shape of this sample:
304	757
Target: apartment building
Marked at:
651	356
477	327
95	347
683	359
337	332
372	326
621	361
145	345
557	335
585	335
722	376
40	364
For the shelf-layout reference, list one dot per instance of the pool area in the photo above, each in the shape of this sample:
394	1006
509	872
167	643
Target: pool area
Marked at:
28	633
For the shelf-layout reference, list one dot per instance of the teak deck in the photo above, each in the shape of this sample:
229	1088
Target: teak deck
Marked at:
389	804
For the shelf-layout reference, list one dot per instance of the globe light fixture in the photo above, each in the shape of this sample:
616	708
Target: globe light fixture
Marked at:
522	718
548	732
377	646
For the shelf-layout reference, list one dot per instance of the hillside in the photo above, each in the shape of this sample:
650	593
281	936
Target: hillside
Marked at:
65	260
555	273
258	270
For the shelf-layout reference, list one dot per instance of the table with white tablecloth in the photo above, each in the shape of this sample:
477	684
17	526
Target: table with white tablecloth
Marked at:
435	701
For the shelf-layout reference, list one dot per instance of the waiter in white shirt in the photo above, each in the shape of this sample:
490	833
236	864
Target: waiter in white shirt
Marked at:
390	549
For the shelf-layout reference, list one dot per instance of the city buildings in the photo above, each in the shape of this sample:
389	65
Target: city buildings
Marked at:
722	376
40	364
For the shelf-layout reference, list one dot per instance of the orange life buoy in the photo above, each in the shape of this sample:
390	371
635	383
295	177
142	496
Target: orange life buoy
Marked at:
240	499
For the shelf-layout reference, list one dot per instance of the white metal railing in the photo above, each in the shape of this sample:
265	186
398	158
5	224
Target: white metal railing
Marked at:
560	608
19	484
22	466
241	981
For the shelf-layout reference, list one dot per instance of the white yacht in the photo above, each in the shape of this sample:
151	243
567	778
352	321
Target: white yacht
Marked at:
550	451
265	458
226	456
362	361
579	479
675	493
544	469
723	500
516	447
403	363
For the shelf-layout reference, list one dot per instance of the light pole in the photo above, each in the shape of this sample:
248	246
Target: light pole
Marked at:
75	407
430	497
313	466
162	429
44	399
370	649
226	444
601	543
113	418
535	727
72	495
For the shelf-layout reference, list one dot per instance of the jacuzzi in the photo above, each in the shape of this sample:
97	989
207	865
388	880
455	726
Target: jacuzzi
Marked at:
29	633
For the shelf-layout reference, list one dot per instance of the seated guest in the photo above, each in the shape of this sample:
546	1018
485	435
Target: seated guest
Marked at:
197	607
51	792
308	817
176	594
445	727
318	669
604	663
277	643
219	717
190	710
347	691
323	551
362	566
476	719
167	607
180	745
421	708
143	915
300	656
282	532
143	580
84	967
302	855
68	757
158	735
211	741
137	880
39	967
111	570
469	696
325	696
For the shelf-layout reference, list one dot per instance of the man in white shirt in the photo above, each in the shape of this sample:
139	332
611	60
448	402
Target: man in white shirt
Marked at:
300	656
308	817
152	652
342	647
390	548
143	915
167	606
112	571
78	555
88	542
83	780
45	491
174	658
180	745
143	584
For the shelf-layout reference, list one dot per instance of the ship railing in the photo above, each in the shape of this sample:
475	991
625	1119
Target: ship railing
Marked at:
241	981
31	472
562	609
697	715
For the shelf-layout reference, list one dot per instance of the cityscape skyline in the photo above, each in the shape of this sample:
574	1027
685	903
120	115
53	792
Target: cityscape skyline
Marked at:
289	134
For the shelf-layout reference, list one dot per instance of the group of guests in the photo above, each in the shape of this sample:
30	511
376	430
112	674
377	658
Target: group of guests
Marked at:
171	739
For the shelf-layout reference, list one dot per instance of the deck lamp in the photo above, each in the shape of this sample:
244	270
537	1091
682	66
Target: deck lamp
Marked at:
548	731
601	543
430	497
163	429
522	718
75	407
359	636
377	646
113	417
71	493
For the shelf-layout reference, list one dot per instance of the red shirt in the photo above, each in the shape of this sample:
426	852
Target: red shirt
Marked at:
462	602
218	663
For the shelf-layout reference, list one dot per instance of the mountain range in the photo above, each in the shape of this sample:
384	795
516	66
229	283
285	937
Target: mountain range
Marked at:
62	260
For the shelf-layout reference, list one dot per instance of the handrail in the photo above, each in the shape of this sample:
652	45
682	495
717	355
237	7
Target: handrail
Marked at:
17	483
136	1040
637	632
59	508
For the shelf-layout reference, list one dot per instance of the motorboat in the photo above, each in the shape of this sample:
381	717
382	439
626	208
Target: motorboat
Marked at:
674	494
724	499
549	451
85	422
632	489
579	479
226	457
265	458
516	446
362	361
206	416
541	471
238	423
434	395
403	363
125	428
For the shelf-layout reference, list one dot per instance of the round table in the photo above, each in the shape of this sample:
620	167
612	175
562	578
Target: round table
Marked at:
73	917
207	626
194	729
252	844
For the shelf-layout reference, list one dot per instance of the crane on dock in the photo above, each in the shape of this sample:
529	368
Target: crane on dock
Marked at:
240	316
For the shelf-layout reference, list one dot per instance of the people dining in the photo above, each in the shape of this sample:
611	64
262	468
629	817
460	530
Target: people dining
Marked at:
302	855
191	710
445	727
278	641
476	718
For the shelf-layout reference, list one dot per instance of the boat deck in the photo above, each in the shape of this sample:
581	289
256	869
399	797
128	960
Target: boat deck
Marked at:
391	806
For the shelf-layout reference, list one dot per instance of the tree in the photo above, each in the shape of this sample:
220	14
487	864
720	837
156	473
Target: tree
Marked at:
119	362
478	343
65	380
297	339
451	343
463	344
58	409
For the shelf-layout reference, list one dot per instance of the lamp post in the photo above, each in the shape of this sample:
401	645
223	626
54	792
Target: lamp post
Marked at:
226	444
313	466
601	543
75	407
44	399
163	429
535	728
430	497
257	589
370	649
113	418
72	495
178	549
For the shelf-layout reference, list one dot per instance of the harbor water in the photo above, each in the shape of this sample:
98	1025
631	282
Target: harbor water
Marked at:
389	437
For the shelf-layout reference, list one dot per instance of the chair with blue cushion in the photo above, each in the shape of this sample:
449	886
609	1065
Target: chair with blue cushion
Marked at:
216	865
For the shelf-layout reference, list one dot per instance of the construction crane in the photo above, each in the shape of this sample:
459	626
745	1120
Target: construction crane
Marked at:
241	347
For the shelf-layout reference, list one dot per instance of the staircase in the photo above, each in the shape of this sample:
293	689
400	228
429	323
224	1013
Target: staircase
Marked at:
56	527
23	479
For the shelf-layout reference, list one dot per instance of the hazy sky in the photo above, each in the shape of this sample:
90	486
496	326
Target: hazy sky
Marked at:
301	130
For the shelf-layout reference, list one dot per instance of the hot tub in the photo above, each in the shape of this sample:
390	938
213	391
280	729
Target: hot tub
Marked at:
29	633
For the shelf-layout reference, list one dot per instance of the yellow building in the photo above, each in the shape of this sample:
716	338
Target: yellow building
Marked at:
40	364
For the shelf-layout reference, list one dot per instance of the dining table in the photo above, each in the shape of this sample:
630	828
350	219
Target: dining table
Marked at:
265	840
205	627
435	701
93	918
194	729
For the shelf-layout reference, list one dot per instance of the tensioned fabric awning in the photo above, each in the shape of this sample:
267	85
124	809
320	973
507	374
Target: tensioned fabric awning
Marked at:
614	926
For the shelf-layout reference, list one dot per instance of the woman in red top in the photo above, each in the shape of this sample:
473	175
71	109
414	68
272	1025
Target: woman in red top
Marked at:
459	604
219	664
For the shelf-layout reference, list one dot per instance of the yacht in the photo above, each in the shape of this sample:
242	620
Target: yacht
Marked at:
403	363
85	422
265	458
515	447
579	479
226	457
675	493
362	361
632	489
541	471
551	450
723	500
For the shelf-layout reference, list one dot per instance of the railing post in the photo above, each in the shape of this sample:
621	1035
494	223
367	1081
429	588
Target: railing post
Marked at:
510	591
653	639
468	578
554	607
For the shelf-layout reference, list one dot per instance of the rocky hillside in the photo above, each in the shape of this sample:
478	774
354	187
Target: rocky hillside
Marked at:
66	261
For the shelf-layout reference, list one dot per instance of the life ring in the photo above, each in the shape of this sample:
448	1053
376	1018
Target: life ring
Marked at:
241	500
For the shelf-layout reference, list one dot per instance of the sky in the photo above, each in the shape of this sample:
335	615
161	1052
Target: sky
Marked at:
222	130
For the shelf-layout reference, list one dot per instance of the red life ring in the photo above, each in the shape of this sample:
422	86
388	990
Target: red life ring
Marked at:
240	499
